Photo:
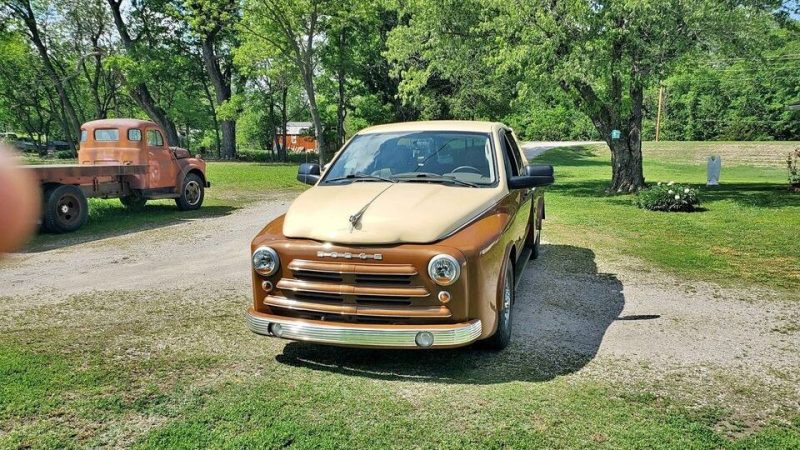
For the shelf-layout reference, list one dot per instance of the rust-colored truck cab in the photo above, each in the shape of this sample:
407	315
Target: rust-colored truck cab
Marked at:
124	158
414	236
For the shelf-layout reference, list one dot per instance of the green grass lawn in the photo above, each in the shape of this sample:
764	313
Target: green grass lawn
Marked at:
171	369
747	232
233	185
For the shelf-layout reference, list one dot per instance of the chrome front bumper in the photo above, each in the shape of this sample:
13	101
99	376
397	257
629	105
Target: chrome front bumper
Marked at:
362	335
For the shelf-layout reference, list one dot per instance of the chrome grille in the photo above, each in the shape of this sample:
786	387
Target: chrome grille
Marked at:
354	291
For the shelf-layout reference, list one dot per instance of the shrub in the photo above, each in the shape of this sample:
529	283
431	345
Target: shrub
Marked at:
792	161
64	154
668	197
252	155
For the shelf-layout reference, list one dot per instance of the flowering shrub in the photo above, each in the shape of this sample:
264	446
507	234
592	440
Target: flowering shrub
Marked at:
668	197
794	169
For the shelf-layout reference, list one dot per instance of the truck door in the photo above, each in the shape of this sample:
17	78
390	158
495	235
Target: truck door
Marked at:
162	167
515	165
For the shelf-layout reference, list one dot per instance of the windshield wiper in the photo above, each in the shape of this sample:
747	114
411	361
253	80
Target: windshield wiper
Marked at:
432	177
361	177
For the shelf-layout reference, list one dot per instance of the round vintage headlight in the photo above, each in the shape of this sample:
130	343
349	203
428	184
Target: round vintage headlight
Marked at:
444	270
265	261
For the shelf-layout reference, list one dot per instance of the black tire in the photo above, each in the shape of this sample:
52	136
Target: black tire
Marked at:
65	209
502	336
193	191
133	201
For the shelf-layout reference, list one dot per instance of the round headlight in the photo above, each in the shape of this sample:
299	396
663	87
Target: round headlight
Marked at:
444	270
265	261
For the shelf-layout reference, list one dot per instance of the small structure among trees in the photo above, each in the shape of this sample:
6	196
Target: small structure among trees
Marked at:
299	137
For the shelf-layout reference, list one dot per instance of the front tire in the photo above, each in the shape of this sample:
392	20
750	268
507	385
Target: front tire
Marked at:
192	193
65	209
502	336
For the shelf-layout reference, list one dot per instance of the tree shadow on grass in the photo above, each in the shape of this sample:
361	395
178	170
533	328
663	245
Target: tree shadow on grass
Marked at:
580	156
561	314
111	220
759	195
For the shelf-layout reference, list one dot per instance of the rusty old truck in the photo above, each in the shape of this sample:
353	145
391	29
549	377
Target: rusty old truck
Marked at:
127	159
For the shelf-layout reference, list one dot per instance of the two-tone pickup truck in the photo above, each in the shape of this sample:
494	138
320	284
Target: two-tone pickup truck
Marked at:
124	158
413	237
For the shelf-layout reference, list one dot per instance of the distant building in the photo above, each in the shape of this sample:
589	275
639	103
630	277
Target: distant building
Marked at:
299	137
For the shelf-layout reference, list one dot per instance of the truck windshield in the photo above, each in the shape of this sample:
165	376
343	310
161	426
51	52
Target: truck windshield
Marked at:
424	156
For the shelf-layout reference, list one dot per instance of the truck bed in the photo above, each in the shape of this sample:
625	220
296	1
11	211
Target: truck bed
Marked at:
69	173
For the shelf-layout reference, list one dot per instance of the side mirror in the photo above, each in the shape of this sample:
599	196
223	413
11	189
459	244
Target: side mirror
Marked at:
308	173
535	176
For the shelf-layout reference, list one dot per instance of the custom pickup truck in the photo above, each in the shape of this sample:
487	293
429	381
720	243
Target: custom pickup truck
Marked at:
123	158
413	237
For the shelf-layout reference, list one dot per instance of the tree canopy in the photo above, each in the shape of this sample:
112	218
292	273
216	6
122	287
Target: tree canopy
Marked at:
226	76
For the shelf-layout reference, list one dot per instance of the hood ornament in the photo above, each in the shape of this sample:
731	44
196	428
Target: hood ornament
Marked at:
355	219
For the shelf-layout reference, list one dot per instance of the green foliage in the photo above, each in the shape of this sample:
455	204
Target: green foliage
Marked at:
668	197
715	97
65	154
793	166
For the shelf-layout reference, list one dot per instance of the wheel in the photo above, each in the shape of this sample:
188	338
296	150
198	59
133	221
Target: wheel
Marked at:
134	201
192	193
65	209
502	336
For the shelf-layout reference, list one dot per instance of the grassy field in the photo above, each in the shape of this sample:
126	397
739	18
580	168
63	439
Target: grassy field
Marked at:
234	185
746	233
178	369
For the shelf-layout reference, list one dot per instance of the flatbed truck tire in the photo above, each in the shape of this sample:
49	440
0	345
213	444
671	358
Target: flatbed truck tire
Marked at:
192	193
65	209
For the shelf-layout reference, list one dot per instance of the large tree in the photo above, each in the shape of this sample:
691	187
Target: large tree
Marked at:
294	28
606	53
25	12
137	48
213	22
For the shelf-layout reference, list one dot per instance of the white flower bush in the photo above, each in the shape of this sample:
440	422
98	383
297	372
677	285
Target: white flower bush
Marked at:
668	197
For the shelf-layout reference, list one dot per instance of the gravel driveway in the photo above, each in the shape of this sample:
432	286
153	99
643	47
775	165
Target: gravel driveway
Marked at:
575	314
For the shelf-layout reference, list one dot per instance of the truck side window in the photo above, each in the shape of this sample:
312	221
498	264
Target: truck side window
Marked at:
84	135
134	134
154	138
512	143
512	160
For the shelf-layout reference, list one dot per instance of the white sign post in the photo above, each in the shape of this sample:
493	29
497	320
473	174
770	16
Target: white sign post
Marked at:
714	169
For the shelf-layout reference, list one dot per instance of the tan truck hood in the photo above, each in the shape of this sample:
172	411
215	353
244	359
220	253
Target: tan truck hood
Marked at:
400	213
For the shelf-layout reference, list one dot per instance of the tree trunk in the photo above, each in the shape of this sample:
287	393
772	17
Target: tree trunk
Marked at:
626	164
319	136
341	111
222	88
627	174
283	152
228	149
140	94
71	118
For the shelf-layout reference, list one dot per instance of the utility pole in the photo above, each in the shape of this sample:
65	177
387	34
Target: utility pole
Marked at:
660	108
